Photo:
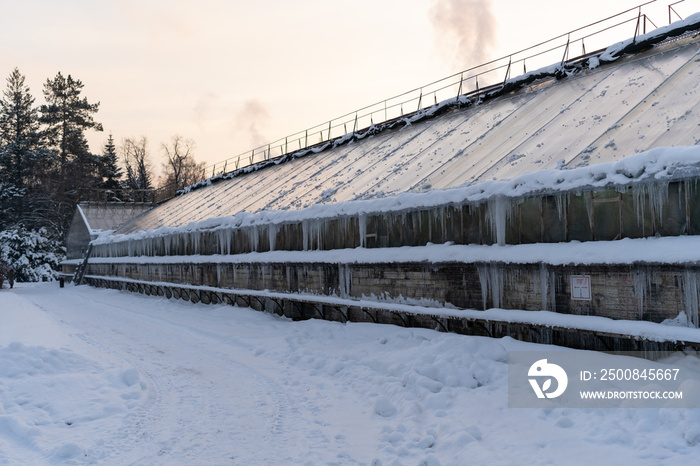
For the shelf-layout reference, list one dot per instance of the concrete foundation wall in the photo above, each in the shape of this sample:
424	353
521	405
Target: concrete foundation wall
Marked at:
293	307
632	292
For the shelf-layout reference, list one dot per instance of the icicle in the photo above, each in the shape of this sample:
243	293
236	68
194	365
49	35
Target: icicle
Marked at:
498	213
560	201
588	199
272	235
690	294
344	280
547	288
657	196
253	232
639	204
362	227
492	279
642	283
320	225
305	234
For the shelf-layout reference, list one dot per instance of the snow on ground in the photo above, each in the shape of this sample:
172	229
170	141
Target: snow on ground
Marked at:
107	377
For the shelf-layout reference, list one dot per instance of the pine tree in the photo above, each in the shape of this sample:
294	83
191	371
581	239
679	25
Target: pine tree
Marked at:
66	116
111	171
20	144
11	198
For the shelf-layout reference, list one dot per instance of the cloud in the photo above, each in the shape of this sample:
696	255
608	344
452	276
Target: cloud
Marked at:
465	30
251	121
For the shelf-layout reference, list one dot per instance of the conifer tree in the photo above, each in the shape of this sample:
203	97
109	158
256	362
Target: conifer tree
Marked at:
111	171
20	146
66	116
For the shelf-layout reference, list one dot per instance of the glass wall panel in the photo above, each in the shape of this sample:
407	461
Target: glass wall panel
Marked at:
471	221
606	215
578	218
554	215
673	219
531	220
636	216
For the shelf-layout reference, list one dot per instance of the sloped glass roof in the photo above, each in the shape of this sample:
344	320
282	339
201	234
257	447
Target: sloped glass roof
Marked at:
104	217
600	115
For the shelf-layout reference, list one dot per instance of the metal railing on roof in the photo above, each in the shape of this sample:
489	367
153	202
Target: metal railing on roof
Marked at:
471	83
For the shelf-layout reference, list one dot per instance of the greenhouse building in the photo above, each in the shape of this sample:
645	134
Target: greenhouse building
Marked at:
559	206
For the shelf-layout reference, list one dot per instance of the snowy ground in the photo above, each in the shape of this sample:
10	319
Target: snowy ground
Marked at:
101	376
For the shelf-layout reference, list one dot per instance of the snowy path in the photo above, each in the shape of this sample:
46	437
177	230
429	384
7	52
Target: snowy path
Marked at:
106	377
204	398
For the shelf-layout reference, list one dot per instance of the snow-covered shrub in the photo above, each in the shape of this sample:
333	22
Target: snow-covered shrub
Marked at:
34	256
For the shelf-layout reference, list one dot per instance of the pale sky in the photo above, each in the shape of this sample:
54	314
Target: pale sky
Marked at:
232	75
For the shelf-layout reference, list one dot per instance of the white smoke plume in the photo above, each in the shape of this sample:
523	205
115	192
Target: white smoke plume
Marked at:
251	121
465	29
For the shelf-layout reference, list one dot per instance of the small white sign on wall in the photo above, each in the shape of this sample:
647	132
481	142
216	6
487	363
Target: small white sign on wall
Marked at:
581	287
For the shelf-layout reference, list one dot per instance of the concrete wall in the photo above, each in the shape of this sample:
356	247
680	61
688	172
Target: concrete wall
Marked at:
298	308
632	292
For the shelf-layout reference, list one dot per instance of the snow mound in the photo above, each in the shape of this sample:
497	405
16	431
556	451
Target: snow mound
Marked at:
44	391
412	381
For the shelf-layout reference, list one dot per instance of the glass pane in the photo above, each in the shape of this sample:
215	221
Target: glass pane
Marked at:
673	218
693	188
554	215
606	218
579	224
636	216
531	220
471	215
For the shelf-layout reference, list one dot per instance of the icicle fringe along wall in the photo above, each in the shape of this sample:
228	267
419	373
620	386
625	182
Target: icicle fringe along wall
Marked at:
644	210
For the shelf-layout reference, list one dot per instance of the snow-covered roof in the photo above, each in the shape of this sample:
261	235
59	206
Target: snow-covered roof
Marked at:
613	108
